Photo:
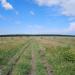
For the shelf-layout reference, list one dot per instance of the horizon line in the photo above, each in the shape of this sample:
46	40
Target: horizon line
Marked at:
13	35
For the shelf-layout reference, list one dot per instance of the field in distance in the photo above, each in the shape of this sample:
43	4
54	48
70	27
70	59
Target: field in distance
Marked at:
37	55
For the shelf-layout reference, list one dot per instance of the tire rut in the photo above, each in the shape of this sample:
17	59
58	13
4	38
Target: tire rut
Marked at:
44	61
33	64
16	60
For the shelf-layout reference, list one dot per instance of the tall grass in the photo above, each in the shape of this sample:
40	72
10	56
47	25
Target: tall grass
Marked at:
62	59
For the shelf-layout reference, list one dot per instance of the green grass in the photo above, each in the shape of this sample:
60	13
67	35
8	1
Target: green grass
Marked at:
40	68
62	60
8	49
23	66
60	54
9	55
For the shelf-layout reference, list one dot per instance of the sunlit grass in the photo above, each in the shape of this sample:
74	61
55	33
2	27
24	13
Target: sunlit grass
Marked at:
62	60
23	66
10	52
59	53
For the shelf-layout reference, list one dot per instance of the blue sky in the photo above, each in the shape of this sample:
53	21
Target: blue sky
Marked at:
37	17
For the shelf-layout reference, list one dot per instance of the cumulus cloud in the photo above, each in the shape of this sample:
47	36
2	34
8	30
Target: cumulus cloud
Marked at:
6	4
67	6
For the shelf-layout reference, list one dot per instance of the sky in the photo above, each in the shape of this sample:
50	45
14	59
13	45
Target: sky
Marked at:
37	17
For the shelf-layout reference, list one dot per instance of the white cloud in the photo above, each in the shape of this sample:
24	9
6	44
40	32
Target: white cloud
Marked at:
71	27
6	4
32	13
67	6
47	2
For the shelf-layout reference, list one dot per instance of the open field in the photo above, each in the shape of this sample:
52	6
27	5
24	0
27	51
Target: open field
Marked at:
37	55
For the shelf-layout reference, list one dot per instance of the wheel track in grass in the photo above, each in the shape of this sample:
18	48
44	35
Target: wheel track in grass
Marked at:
44	61
42	52
32	72
33	64
10	71
14	60
23	66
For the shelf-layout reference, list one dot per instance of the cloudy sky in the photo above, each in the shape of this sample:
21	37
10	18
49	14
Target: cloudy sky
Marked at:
37	17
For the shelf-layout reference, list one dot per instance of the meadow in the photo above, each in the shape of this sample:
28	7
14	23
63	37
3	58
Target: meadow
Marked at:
49	55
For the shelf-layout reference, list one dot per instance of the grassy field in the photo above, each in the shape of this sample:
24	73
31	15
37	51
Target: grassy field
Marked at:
37	55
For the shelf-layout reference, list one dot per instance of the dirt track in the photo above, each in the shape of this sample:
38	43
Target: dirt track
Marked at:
44	61
33	64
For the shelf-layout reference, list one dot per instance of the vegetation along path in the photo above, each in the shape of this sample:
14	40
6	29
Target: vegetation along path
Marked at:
29	61
37	56
39	62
